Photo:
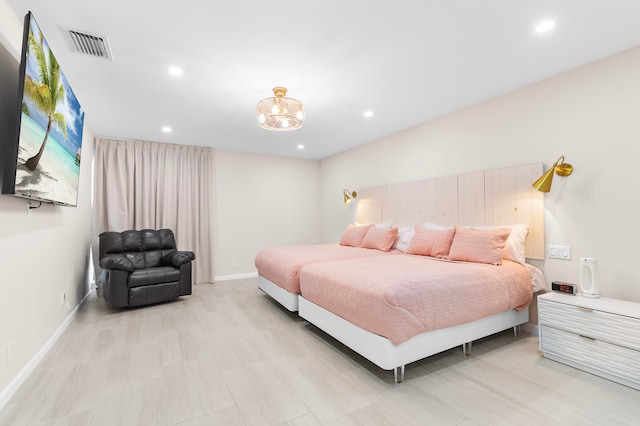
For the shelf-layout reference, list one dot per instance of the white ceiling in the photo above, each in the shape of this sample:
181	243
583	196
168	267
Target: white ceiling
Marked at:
408	61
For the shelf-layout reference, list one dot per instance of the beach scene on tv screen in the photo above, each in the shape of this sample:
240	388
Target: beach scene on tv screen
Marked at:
50	146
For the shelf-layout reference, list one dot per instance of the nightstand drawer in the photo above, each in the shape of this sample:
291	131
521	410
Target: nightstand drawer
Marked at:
582	352
617	329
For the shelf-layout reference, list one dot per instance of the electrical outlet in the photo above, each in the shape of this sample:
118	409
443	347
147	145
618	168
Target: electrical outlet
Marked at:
559	252
234	263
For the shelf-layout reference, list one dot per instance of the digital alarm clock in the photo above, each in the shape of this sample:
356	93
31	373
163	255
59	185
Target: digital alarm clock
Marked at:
562	287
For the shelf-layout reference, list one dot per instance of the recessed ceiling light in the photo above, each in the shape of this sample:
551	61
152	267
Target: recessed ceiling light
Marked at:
368	114
166	129
175	71
545	26
300	146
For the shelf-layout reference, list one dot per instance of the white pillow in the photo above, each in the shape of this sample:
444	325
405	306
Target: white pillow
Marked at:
514	247
405	234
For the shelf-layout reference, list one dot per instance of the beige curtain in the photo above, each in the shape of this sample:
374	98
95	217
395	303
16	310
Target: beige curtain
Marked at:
140	185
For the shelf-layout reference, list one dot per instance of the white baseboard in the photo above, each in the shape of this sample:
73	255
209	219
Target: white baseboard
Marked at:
20	378
530	328
236	276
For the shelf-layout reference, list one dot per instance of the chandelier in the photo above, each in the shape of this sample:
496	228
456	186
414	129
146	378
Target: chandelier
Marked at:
280	113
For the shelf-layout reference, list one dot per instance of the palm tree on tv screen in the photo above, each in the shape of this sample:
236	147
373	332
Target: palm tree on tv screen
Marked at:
46	93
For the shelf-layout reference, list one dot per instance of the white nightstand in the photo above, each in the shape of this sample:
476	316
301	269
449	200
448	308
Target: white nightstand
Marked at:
600	336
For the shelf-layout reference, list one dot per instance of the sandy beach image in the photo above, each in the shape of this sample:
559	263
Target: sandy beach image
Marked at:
51	125
55	177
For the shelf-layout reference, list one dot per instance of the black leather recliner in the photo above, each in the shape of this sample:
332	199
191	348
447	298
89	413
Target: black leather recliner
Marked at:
143	267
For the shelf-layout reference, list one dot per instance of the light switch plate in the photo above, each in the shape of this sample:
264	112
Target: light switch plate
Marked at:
559	252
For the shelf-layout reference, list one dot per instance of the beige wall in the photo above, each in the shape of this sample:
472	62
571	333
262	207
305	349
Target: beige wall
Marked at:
263	201
10	29
591	115
43	253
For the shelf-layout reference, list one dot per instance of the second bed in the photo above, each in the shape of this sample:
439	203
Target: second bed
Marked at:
279	267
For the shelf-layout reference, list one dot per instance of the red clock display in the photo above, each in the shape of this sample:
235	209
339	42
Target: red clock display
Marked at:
563	287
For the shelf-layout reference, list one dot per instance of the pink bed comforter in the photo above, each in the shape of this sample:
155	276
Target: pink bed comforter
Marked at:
281	265
401	296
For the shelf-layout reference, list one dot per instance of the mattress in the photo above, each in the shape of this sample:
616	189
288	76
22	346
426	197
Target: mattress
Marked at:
398	297
282	265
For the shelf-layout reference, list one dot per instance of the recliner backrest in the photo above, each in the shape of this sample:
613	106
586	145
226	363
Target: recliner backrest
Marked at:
145	248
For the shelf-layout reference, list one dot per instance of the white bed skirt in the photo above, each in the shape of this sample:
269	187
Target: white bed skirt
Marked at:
388	356
279	294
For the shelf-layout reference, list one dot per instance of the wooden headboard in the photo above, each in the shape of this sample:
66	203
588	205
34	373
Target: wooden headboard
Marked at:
487	198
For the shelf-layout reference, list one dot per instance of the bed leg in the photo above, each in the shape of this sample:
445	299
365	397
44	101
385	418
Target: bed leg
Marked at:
466	348
398	374
517	330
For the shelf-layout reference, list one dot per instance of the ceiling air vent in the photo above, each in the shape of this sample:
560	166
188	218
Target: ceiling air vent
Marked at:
89	44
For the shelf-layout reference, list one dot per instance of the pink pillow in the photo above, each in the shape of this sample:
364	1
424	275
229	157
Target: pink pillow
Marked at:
379	239
431	242
354	235
479	245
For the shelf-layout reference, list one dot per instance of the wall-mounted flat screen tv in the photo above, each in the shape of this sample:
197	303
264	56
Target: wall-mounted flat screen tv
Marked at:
44	164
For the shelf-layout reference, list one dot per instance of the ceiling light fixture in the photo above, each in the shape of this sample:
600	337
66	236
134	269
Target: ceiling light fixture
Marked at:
300	146
166	129
545	26
175	71
280	113
368	114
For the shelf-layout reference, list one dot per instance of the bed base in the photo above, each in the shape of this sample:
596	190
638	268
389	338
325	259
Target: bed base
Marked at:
383	353
279	294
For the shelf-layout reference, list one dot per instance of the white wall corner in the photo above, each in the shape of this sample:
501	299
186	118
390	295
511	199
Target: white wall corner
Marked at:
22	376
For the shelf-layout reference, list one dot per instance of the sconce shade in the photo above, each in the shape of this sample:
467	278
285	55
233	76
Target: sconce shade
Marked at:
349	195
544	183
560	168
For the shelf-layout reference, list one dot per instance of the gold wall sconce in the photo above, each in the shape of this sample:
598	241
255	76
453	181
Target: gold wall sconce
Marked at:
349	195
560	168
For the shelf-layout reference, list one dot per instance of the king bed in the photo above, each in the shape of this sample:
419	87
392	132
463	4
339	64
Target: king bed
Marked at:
394	310
443	287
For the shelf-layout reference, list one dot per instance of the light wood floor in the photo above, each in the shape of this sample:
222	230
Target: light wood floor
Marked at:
228	355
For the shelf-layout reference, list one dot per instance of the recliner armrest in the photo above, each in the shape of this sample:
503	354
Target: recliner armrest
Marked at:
116	262
177	258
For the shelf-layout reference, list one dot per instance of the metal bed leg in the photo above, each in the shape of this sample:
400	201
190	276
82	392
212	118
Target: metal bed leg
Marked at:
517	330
398	374
466	348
